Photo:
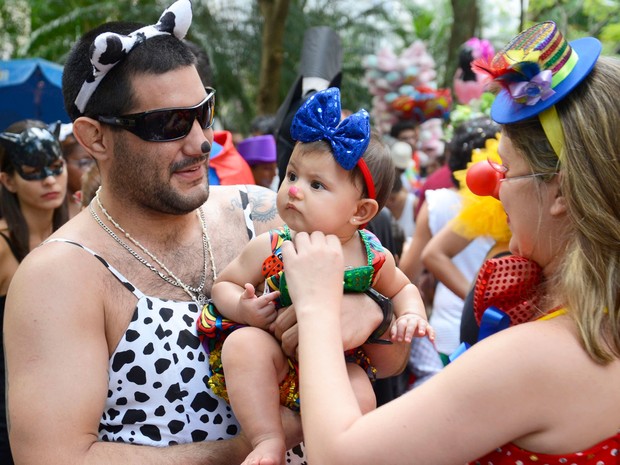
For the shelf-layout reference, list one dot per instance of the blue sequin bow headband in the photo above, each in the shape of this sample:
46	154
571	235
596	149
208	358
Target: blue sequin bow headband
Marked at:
109	48
319	118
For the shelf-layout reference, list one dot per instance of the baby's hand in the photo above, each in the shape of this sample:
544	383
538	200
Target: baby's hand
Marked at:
409	326
257	311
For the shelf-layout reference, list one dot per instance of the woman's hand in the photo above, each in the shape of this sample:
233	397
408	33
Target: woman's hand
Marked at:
314	272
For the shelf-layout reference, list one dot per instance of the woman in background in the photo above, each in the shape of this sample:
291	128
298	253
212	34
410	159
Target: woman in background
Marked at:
33	203
78	162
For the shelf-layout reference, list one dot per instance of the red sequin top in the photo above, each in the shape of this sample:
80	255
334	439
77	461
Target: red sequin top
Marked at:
604	453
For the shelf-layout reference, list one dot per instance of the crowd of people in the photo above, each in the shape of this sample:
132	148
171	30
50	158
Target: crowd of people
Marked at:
478	303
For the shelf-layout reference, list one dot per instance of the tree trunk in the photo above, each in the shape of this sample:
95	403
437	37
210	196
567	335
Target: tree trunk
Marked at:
464	27
274	13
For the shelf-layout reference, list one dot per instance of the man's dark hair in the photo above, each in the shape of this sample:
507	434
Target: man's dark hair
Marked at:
466	56
471	134
115	96
263	124
401	126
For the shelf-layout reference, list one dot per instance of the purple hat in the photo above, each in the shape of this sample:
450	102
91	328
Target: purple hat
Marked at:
258	149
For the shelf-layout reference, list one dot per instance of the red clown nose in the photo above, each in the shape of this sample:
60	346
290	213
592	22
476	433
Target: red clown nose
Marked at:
483	180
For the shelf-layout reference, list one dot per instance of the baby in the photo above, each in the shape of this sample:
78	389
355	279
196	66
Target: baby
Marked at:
339	176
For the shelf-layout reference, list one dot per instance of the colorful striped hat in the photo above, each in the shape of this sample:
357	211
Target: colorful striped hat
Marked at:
537	69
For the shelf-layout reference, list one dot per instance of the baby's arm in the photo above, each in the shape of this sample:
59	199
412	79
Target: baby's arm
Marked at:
411	320
410	315
234	291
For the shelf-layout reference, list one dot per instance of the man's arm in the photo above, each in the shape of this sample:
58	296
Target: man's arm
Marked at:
360	316
263	209
57	359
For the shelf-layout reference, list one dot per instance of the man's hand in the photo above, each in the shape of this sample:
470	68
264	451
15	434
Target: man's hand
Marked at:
360	316
291	423
285	330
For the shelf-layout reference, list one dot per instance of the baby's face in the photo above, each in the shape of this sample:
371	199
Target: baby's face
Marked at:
317	194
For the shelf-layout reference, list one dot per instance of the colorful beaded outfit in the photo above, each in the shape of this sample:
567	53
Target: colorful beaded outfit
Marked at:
214	328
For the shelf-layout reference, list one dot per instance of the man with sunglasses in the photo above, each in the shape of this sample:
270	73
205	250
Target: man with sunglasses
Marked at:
101	342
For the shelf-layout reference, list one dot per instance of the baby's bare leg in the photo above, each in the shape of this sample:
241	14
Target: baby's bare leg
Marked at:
254	365
362	387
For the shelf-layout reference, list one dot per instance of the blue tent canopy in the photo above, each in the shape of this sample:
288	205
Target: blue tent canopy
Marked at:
31	88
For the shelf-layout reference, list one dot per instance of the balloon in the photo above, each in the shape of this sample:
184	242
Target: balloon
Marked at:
403	86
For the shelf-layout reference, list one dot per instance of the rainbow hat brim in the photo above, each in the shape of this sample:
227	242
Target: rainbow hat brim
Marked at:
505	110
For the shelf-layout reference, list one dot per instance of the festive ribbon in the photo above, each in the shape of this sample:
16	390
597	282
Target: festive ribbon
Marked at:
493	321
530	92
319	118
550	122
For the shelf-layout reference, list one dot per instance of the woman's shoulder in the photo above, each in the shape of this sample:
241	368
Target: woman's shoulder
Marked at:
541	363
443	194
536	355
4	230
536	342
6	247
8	261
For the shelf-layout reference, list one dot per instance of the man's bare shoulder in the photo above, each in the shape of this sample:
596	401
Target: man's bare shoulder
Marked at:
254	202
57	261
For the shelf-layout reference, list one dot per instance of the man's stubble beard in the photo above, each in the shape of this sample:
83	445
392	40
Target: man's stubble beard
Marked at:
139	181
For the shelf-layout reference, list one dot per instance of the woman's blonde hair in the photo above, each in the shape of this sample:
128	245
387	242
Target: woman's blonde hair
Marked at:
589	168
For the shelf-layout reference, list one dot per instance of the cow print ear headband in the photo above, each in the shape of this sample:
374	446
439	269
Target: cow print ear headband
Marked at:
110	48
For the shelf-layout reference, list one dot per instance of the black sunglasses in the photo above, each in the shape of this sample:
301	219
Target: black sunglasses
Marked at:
166	124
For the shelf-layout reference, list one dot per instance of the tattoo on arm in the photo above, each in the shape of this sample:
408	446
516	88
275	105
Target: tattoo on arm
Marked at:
262	204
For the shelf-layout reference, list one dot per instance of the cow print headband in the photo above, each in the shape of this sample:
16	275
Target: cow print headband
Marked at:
109	48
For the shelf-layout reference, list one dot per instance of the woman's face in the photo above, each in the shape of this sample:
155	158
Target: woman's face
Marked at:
264	173
47	193
532	208
78	162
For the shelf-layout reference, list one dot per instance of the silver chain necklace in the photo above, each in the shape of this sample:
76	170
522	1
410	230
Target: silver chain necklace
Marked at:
176	282
195	293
